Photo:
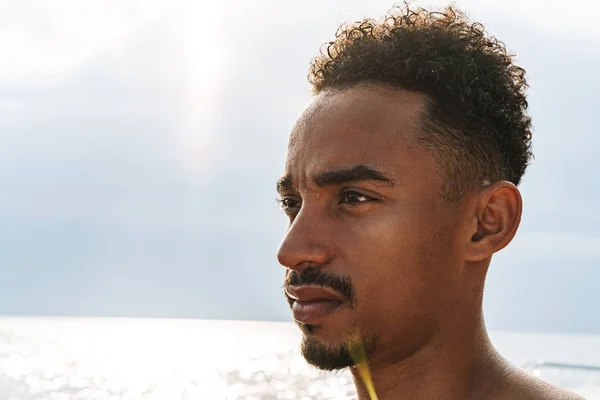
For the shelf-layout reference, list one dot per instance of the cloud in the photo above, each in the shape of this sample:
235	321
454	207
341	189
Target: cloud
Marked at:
84	61
10	106
39	41
147	149
553	246
578	16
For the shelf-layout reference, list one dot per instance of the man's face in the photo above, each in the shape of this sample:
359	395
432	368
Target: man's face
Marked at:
372	252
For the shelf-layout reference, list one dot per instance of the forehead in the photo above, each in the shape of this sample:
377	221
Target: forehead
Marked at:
368	125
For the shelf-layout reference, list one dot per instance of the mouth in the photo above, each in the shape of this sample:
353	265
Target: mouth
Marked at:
313	312
313	304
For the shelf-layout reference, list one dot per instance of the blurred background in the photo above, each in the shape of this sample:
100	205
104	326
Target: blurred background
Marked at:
140	143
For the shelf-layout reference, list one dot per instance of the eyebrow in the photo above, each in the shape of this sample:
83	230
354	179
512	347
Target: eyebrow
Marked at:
285	184
358	173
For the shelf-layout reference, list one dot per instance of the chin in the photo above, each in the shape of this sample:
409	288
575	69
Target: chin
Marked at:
330	350
326	356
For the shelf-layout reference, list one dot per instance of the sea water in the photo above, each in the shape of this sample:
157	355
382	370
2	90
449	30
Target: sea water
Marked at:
162	359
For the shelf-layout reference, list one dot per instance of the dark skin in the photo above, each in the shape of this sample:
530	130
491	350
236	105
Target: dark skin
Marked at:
416	261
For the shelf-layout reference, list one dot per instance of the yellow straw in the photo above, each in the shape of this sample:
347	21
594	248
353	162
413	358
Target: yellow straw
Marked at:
359	356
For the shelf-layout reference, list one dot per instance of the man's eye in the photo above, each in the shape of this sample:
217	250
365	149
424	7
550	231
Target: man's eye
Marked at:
288	204
352	198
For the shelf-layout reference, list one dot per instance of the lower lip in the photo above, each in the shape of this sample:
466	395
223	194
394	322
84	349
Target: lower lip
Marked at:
314	311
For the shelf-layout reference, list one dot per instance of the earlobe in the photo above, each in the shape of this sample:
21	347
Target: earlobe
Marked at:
498	214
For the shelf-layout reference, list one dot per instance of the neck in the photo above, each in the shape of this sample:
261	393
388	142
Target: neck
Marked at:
461	364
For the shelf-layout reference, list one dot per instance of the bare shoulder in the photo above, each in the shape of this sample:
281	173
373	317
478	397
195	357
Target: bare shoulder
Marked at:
520	385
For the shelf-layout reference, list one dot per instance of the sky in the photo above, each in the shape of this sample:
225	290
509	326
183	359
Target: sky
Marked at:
140	142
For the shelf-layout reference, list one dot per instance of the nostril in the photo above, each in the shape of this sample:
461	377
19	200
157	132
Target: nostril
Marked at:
306	265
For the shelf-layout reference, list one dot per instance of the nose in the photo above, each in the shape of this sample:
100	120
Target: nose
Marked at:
307	242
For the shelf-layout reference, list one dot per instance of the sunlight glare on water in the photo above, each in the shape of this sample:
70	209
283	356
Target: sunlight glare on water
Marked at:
106	359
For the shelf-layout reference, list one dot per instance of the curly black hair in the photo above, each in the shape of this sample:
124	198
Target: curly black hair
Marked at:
476	118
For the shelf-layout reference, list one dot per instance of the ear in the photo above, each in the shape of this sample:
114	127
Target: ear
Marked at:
496	219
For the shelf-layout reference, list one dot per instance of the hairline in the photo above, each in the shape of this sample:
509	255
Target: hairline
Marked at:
434	136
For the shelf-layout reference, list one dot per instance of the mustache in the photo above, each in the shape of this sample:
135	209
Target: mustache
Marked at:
317	277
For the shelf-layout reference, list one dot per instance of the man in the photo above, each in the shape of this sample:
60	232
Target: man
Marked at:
400	184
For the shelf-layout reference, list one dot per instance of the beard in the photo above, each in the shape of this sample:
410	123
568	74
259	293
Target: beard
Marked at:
324	356
333	357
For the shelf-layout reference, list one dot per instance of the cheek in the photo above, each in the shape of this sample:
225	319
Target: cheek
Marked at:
401	264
